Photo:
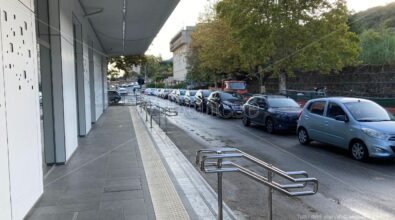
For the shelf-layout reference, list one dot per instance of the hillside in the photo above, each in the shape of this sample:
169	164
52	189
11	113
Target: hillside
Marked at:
382	17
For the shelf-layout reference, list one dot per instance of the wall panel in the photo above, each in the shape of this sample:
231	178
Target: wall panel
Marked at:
22	106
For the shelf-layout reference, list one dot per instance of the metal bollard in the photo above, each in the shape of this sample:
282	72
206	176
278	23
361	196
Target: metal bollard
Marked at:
151	117
165	122
146	113
219	183
270	194
160	112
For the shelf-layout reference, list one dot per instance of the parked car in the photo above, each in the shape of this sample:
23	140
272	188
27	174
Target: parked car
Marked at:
122	91
225	105
148	91
361	126
172	95
179	97
165	93
189	99
201	99
156	92
113	96
275	112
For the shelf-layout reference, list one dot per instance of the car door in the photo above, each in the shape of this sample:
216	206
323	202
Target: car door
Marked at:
250	109
262	110
315	120
210	101
336	131
216	102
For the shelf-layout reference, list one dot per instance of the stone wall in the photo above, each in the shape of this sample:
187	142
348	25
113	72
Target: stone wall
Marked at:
365	81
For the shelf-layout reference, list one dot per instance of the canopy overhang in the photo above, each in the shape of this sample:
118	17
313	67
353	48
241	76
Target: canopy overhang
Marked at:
127	27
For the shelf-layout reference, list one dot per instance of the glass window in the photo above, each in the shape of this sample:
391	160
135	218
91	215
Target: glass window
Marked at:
282	103
334	110
192	93
261	103
236	85
367	111
253	102
317	107
206	93
229	96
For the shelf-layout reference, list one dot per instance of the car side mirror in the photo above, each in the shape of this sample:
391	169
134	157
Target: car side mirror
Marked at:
341	118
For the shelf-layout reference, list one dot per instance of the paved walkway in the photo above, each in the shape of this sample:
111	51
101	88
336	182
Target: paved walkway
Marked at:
104	179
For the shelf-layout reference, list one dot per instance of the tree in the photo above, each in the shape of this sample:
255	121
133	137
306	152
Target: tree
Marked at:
151	66
284	36
378	47
126	63
214	52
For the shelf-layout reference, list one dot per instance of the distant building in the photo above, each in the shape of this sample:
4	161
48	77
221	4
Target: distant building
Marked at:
179	45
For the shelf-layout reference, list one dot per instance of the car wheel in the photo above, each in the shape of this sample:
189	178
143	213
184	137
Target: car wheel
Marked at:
359	151
269	126
303	136
246	121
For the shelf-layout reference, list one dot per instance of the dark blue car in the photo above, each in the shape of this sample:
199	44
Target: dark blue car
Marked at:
276	113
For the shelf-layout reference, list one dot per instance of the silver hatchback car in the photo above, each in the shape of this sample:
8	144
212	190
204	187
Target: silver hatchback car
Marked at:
361	126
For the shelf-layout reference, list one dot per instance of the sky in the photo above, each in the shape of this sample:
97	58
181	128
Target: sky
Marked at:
187	13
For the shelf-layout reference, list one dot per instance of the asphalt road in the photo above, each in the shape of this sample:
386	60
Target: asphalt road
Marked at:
347	189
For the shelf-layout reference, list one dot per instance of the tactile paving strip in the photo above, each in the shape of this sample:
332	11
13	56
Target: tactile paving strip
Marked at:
167	204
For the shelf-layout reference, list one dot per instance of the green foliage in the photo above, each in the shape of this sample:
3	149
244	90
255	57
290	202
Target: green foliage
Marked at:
154	67
377	18
214	51
378	47
292	35
155	85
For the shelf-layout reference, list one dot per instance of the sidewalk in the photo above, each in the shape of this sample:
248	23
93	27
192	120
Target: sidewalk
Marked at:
104	179
125	170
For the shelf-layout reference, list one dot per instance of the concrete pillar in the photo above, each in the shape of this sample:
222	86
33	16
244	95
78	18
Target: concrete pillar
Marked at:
59	149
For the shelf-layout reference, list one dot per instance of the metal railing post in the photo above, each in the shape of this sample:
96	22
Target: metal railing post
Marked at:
299	183
219	174
160	112
150	115
270	194
165	121
146	113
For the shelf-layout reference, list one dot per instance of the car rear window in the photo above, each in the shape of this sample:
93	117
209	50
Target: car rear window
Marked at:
317	107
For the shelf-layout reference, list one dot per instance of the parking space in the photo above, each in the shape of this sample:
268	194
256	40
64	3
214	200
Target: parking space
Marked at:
348	188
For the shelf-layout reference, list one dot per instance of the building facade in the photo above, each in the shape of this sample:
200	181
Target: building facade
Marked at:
58	48
179	45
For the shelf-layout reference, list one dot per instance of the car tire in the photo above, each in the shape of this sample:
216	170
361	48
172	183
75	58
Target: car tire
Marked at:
246	121
303	136
359	151
269	125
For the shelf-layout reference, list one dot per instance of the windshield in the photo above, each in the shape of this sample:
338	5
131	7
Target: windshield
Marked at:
182	92
282	103
229	96
364	111
192	93
205	93
236	85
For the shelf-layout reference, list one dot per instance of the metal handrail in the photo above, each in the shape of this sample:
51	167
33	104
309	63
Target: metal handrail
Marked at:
165	111
204	160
